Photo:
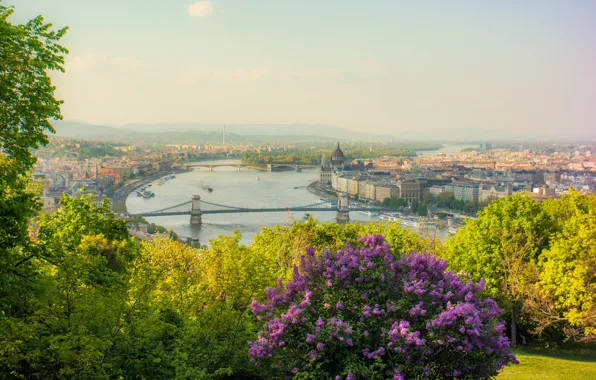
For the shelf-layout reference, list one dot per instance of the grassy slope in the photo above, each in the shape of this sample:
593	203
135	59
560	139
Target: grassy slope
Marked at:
539	364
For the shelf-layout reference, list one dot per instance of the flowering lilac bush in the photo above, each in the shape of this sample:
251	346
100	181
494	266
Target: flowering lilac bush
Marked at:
362	313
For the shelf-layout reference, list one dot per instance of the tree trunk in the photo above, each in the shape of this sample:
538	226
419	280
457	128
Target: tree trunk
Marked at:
514	325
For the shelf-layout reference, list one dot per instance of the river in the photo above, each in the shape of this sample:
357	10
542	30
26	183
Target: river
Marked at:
233	188
446	149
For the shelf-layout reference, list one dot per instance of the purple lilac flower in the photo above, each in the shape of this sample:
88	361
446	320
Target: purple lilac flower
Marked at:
449	314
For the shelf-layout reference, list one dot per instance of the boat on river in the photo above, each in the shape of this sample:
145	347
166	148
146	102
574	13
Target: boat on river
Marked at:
369	213
390	217
409	223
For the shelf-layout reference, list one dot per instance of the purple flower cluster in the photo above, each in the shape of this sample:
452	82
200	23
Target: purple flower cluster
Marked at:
362	305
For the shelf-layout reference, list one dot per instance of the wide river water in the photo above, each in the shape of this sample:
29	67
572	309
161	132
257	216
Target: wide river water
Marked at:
233	188
241	189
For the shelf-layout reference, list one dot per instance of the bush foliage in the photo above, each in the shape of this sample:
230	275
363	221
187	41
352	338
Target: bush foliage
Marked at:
362	312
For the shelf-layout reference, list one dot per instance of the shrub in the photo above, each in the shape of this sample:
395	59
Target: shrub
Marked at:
361	312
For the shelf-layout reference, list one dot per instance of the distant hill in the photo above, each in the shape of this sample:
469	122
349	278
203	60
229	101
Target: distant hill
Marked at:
324	131
85	131
187	133
210	133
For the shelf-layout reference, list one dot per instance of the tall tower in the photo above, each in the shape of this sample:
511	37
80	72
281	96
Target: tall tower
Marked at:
223	137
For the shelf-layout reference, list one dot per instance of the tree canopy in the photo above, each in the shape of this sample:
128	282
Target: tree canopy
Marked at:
27	103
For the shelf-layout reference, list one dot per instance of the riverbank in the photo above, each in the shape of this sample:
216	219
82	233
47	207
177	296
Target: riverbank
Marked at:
315	189
119	200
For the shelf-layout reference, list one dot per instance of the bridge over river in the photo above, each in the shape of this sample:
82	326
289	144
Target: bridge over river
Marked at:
197	207
262	167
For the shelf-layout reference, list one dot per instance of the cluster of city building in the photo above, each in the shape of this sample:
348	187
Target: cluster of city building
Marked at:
477	176
98	177
67	172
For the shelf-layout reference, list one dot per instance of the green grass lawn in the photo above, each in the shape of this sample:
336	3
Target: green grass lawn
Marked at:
544	364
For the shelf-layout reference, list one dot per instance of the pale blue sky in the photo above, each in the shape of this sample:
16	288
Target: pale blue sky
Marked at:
384	66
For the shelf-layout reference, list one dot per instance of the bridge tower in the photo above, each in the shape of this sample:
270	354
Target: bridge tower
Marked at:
343	209
269	168
196	215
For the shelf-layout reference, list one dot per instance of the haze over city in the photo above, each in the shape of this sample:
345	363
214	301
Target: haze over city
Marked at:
514	69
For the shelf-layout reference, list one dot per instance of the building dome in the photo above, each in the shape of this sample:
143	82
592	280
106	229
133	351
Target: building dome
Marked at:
337	157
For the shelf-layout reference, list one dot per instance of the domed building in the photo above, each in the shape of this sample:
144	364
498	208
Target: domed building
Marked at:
329	165
337	158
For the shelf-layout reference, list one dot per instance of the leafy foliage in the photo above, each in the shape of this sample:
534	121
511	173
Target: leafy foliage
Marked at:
27	103
64	322
565	293
288	243
362	312
538	261
509	232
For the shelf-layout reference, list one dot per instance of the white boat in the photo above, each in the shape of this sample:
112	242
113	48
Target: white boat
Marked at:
389	217
369	213
258	179
409	223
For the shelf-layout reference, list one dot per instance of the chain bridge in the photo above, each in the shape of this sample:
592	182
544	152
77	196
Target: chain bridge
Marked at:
196	208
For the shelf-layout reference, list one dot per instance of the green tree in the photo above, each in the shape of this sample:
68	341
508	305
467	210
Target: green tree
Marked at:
565	293
445	199
470	207
422	209
27	104
207	296
68	320
428	198
503	246
27	53
18	202
414	206
285	244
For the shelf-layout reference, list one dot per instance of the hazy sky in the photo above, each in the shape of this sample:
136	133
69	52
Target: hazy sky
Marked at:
385	66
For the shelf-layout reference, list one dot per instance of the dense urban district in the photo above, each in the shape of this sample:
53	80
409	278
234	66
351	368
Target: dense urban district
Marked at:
395	177
512	294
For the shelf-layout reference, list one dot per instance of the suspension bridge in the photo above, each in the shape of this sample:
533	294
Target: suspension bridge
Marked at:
196	208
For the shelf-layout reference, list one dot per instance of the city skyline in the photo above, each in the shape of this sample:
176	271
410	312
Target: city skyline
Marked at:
384	67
